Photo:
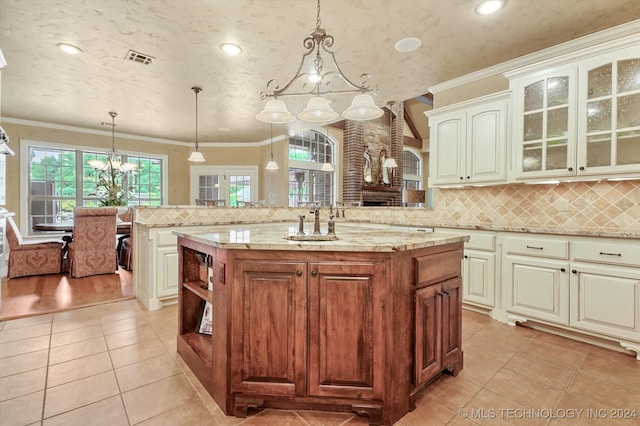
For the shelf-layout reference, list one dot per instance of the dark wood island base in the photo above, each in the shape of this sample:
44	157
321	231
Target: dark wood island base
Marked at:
351	331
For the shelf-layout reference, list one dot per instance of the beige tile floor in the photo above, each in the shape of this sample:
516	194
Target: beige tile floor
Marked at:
116	364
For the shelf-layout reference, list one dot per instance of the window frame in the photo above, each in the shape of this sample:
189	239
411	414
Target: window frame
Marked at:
27	144
312	167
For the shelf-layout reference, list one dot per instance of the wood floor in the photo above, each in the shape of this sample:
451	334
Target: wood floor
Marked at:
42	294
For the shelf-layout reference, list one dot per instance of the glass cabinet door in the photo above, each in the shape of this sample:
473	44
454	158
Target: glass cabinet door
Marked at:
610	113
546	130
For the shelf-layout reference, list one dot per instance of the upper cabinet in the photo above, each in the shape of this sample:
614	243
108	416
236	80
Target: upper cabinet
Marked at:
544	124
609	113
468	142
578	119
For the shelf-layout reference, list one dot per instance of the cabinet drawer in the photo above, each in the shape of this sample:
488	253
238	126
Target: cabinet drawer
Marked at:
556	249
438	267
481	242
477	240
621	253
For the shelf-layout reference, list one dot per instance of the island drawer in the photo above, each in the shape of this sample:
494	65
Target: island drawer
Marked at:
437	267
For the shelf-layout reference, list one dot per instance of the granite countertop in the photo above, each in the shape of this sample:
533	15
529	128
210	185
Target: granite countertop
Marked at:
350	237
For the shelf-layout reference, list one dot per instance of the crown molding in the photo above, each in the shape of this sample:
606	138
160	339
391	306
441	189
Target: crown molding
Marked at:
77	129
620	36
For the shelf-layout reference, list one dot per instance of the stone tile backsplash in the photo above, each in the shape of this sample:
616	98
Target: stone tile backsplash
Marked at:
604	207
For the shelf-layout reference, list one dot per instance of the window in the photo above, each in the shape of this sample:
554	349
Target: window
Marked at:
59	178
309	150
235	185
411	170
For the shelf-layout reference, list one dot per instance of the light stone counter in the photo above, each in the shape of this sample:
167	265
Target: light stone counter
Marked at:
350	237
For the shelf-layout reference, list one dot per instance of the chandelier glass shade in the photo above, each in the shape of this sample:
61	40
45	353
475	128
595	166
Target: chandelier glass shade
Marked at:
196	156
114	158
316	77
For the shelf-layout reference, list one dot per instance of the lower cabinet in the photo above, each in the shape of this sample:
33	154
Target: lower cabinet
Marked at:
343	334
538	288
328	330
582	284
478	267
438	329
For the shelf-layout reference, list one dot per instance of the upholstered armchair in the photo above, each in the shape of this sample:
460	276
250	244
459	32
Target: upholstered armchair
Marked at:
31	258
93	248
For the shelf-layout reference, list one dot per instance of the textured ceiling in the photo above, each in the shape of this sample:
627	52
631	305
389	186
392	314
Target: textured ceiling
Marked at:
43	84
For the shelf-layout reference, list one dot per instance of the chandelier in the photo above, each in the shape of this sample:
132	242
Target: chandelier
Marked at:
114	161
318	79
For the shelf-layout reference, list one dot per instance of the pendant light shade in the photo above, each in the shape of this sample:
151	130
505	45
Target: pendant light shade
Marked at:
327	167
275	112
272	165
196	156
362	108
390	163
318	110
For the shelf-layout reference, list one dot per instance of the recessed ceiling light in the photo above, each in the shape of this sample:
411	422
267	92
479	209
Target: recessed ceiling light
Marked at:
231	49
408	44
69	48
487	7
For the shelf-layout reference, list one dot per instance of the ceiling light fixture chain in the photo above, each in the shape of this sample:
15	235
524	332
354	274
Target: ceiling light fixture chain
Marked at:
319	80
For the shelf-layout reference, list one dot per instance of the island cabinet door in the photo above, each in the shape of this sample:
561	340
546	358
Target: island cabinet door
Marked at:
269	328
428	333
346	344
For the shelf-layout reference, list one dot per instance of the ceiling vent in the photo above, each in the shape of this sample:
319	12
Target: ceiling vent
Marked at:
138	57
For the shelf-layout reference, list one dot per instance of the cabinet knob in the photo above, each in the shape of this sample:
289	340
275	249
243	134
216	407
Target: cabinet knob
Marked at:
466	257
570	169
314	273
468	177
298	273
461	178
573	271
445	292
562	270
582	168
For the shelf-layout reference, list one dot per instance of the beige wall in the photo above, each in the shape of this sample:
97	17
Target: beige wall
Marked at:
485	86
177	164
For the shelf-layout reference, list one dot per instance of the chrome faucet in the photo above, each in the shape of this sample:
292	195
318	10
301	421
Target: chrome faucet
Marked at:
316	221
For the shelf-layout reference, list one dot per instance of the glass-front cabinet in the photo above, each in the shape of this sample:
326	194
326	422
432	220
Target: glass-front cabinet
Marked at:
579	119
545	124
609	114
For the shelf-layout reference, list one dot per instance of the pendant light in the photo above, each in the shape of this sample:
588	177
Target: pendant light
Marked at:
196	156
389	162
114	158
326	166
272	165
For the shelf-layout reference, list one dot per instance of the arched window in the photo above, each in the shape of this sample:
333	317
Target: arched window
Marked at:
411	170
311	153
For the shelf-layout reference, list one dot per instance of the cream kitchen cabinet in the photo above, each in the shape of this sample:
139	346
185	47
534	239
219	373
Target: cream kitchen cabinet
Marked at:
605	289
587	285
535	276
155	271
478	267
580	119
468	142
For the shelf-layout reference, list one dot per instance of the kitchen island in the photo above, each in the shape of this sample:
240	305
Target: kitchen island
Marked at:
361	323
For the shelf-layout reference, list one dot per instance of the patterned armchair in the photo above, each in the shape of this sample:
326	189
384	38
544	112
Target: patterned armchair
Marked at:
31	258
93	248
